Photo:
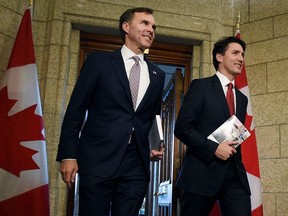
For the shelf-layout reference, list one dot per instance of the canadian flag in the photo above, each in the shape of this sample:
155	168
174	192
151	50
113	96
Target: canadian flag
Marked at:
249	148
23	164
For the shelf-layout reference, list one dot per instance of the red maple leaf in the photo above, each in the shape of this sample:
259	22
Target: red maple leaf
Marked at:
20	127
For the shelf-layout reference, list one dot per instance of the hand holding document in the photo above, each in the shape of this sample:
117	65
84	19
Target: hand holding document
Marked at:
232	130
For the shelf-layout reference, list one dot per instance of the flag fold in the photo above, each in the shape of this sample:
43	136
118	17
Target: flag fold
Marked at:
24	186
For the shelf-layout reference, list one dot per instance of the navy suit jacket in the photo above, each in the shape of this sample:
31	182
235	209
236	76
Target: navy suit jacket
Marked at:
103	90
204	109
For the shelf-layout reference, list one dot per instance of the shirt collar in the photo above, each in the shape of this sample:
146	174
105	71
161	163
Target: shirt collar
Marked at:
128	54
224	80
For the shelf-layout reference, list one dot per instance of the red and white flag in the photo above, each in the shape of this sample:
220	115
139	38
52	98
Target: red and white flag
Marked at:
249	148
23	164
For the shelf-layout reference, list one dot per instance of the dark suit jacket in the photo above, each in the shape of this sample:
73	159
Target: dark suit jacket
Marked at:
103	89
204	109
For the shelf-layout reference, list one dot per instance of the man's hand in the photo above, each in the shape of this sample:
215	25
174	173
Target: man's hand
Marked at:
225	150
68	169
156	155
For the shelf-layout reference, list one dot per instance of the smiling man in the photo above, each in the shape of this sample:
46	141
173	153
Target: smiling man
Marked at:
214	171
122	92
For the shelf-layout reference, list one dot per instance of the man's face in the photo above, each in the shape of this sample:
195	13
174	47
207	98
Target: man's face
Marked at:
140	32
232	61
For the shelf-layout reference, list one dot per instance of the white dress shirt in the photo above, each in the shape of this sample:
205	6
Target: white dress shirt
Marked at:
224	82
127	55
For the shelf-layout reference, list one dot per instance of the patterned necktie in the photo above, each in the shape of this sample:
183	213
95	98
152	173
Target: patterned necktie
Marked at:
134	79
230	99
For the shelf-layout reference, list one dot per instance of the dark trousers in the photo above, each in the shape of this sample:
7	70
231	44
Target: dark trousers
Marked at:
233	199
120	195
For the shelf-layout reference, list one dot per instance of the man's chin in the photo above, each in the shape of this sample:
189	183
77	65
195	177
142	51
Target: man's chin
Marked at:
238	71
144	48
147	44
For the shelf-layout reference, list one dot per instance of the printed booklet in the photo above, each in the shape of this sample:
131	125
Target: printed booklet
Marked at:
232	130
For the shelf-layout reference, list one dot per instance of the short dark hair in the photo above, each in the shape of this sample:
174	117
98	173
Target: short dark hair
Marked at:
222	45
128	15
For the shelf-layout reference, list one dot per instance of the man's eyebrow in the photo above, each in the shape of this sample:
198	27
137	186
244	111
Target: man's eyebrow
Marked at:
239	51
147	22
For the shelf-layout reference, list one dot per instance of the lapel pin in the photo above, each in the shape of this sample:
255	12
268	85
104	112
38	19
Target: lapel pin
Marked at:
154	72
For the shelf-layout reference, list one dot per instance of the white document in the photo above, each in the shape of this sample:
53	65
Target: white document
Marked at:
232	130
156	133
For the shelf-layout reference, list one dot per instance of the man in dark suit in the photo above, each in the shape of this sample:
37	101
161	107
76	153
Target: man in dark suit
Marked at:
213	171
111	149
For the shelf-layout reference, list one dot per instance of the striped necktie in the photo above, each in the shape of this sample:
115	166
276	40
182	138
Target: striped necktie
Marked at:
134	79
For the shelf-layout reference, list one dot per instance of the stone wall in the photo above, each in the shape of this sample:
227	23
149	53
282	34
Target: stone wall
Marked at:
56	28
266	34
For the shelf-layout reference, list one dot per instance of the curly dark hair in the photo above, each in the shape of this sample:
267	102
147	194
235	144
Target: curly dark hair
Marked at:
222	45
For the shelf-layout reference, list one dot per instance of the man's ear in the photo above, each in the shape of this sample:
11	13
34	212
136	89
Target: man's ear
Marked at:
219	57
125	27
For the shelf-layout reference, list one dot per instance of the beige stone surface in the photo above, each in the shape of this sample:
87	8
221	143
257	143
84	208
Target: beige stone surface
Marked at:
54	56
206	70
40	61
73	69
206	52
257	79
267	51
42	86
203	8
6	44
49	129
277	76
269	204
55	176
64	62
196	56
39	33
267	8
268	141
270	109
18	6
280	25
282	207
284	140
58	204
274	174
9	21
43	10
262	28
57	33
74	42
60	98
50	96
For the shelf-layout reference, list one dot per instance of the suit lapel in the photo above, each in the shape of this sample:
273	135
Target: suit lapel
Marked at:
153	83
240	103
119	69
220	95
